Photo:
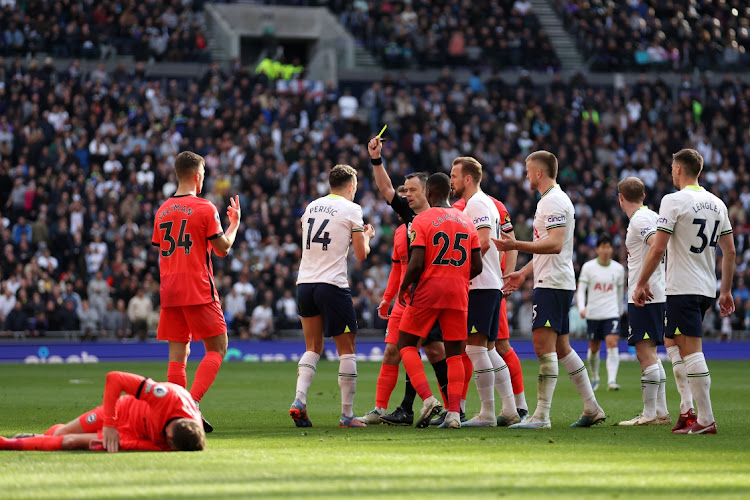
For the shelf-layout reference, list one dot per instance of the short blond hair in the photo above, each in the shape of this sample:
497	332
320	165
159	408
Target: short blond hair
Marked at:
470	166
547	160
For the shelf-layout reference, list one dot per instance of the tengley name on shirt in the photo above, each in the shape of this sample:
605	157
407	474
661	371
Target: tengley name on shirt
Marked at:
705	205
176	208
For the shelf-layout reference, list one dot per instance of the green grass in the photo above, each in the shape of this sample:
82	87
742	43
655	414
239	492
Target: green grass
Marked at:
257	452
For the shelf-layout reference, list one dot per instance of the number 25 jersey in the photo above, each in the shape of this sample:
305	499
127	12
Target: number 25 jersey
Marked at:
327	227
183	226
448	237
696	219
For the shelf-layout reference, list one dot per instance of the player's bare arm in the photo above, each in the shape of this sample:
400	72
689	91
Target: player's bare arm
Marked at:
728	251
514	280
642	293
511	258
551	245
223	243
413	272
385	186
361	242
476	263
484	239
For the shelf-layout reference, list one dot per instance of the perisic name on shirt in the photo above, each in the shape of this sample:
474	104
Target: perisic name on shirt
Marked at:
325	209
176	208
448	216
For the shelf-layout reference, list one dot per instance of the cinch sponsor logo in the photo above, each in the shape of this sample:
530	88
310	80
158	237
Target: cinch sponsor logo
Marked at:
552	218
481	219
644	231
662	220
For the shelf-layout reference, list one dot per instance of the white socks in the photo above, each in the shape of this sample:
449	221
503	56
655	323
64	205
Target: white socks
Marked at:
548	371
580	378
593	360
700	383
661	397
484	377
347	382
503	384
613	364
306	373
521	401
650	390
680	378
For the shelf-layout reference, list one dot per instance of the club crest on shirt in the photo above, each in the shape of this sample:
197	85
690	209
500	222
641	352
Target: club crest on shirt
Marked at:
160	391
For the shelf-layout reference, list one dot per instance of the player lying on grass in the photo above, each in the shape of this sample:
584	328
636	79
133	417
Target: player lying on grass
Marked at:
153	416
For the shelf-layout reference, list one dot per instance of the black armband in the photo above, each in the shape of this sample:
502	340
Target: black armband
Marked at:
376	161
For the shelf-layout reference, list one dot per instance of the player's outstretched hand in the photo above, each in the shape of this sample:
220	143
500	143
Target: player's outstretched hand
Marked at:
512	282
110	439
383	309
233	210
369	231
642	294
505	243
726	304
374	147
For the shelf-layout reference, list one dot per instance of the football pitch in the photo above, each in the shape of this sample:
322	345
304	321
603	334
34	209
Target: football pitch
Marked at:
257	452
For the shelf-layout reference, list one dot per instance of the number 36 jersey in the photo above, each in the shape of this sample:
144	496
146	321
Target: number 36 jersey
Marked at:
695	219
327	227
183	226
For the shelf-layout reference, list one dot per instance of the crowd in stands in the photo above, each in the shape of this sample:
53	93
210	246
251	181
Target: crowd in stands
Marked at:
86	158
423	34
653	34
161	30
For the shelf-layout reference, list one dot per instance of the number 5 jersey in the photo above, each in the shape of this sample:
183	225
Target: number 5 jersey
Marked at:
327	227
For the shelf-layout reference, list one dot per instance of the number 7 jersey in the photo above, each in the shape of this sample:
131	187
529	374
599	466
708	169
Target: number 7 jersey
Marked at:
695	219
183	226
327	227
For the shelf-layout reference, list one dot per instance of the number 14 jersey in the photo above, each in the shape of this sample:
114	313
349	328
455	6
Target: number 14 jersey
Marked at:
327	227
696	219
183	226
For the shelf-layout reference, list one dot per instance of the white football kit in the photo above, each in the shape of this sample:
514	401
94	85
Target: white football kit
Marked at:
327	227
555	270
696	219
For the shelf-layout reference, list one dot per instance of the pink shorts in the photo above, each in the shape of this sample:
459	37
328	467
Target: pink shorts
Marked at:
419	321
186	323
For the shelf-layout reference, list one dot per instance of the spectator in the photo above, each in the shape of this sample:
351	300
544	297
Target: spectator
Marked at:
89	320
261	322
17	321
139	310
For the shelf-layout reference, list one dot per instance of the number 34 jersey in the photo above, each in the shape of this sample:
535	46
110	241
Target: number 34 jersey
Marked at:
327	227
448	237
695	219
183	226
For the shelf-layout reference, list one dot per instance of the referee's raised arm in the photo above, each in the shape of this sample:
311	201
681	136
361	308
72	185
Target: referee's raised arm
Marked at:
385	186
